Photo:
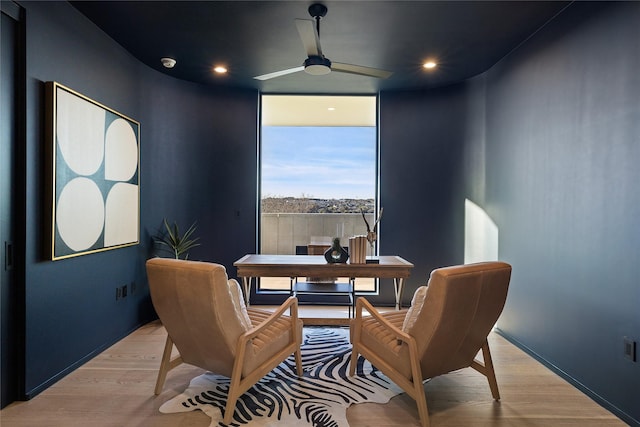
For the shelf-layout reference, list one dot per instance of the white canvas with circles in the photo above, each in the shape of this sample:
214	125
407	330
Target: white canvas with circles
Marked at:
96	178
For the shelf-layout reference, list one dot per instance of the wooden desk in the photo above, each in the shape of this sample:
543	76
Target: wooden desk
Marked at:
250	266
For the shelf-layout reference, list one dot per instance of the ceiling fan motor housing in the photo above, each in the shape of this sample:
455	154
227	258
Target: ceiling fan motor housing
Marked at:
317	65
317	10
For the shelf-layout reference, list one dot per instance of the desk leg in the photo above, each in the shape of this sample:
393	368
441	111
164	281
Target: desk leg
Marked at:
246	284
399	288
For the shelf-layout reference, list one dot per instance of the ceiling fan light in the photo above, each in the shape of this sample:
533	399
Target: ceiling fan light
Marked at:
317	66
317	70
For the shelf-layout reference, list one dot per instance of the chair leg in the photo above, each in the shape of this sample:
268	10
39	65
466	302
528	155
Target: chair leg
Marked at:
421	402
354	361
418	386
489	371
165	365
298	356
232	398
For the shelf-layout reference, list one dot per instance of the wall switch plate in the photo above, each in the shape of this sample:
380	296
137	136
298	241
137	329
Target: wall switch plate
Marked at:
629	349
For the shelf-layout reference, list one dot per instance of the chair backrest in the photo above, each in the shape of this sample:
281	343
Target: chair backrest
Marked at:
461	306
196	306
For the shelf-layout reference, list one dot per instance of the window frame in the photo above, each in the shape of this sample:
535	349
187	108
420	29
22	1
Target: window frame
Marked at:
271	296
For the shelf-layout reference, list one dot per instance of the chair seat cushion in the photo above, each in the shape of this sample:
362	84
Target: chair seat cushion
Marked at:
383	343
264	346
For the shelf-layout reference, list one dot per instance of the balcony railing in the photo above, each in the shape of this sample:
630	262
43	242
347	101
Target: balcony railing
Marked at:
282	232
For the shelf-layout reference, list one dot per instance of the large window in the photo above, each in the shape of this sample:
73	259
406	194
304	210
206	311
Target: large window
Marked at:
318	174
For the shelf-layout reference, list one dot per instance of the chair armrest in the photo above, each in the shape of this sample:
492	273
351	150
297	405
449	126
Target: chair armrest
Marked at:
244	340
400	335
290	303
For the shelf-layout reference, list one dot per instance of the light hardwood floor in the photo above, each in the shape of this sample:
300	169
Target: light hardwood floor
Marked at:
115	389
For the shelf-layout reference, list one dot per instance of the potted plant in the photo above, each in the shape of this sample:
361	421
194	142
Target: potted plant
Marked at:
178	245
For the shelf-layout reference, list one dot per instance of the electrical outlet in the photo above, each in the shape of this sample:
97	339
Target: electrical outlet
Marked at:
629	349
118	293
124	291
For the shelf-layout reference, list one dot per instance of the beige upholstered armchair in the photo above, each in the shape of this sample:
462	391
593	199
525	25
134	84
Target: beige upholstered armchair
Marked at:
445	328
206	318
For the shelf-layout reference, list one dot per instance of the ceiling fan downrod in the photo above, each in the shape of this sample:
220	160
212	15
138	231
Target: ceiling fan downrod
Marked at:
317	12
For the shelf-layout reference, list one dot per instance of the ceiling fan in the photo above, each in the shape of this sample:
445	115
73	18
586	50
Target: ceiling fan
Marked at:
316	63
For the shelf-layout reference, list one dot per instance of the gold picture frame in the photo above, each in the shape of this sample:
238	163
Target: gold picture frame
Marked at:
94	156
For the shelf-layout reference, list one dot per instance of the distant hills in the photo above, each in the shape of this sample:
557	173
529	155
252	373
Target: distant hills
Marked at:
312	205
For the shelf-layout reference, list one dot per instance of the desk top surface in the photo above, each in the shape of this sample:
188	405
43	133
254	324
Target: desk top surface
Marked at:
279	260
293	264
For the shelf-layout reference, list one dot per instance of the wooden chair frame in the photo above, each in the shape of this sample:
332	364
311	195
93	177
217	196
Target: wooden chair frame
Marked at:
413	387
240	384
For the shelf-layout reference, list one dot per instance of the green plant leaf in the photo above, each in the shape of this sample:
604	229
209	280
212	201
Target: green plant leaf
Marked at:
173	242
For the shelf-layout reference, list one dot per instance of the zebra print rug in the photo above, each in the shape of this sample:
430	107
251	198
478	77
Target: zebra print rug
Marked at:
319	398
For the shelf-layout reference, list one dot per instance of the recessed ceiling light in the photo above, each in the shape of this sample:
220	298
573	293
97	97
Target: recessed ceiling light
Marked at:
429	65
220	69
168	62
331	108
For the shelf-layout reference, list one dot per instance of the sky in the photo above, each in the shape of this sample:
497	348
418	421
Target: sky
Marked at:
319	162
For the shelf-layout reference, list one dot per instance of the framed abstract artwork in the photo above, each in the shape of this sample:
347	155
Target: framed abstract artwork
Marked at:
94	156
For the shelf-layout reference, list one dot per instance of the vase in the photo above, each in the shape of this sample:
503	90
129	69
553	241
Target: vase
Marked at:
336	253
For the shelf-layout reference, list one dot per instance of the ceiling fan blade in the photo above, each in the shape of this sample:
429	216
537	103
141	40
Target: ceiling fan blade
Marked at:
279	73
309	37
360	70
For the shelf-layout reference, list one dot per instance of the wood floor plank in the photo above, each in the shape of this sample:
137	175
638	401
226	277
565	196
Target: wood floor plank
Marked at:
115	389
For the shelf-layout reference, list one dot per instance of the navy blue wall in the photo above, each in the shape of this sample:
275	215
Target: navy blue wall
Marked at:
197	164
421	185
71	311
548	143
562	149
